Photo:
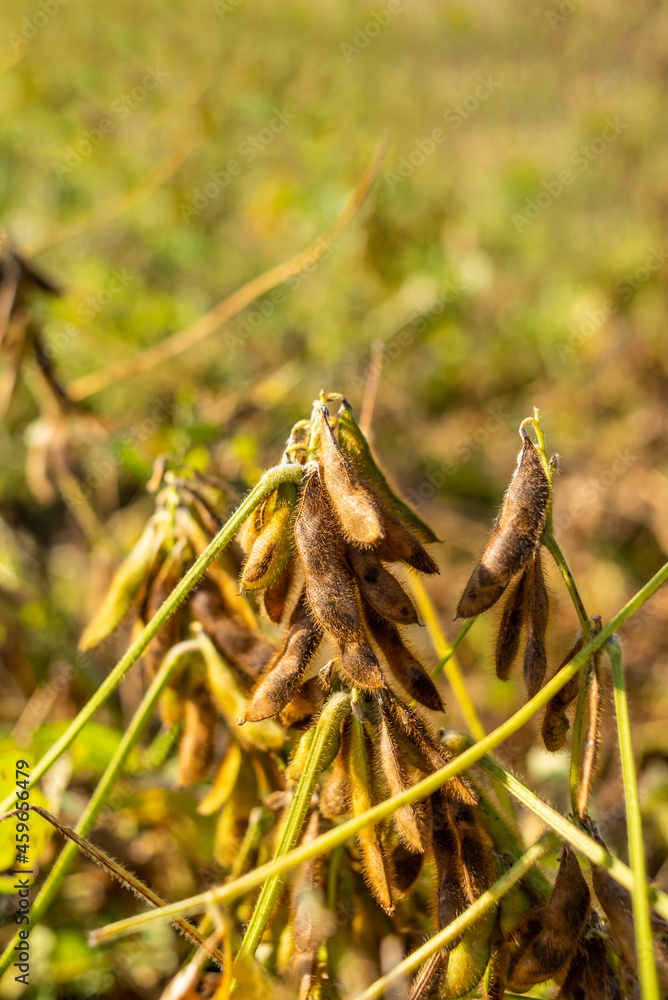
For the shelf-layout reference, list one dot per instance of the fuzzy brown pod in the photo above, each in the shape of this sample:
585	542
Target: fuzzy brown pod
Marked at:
515	536
538	609
404	666
591	975
196	745
380	589
356	506
589	758
510	627
272	549
242	647
356	449
305	702
356	752
555	721
275	594
563	922
284	673
393	766
423	749
618	908
330	586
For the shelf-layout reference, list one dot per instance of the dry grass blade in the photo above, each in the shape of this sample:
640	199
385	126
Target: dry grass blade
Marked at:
589	749
204	326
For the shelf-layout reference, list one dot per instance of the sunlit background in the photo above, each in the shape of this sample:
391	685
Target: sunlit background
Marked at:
512	253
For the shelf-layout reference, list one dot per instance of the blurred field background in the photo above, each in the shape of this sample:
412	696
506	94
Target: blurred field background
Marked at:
491	290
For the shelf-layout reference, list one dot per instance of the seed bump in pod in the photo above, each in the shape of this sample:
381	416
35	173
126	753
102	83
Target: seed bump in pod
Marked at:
354	503
515	535
538	609
275	594
285	671
356	449
405	667
555	722
272	549
510	628
564	920
330	585
380	588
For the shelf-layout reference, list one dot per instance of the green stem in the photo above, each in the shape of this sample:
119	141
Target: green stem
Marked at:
326	736
552	547
547	843
87	821
270	480
649	987
340	834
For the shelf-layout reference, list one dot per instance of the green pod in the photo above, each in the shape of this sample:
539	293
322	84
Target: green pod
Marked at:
272	549
356	449
469	959
123	589
513	907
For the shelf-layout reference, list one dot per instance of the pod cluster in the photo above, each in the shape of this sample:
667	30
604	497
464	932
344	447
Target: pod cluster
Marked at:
187	514
321	556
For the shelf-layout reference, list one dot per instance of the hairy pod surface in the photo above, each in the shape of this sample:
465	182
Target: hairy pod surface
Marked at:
515	535
556	722
404	666
564	919
393	767
538	609
510	627
330	585
275	595
357	450
357	755
380	588
354	503
285	671
273	547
